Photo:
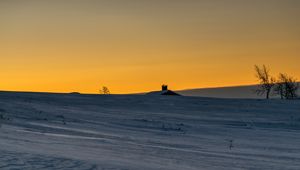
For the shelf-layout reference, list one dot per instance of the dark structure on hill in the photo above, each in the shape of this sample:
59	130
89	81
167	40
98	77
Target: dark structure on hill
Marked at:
164	91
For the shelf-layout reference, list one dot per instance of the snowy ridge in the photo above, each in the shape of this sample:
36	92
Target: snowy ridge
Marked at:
237	92
65	131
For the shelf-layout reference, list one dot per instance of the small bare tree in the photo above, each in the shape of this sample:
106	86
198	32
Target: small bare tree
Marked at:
267	82
104	90
286	86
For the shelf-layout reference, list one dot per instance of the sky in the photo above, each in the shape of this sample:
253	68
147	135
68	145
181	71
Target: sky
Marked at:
136	45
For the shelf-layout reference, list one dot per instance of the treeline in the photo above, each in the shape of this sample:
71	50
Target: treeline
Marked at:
284	85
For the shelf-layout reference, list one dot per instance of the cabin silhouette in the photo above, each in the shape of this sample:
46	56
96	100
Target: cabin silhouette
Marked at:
165	91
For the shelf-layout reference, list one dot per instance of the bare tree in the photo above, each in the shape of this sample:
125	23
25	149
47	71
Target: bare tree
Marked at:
286	86
104	90
267	82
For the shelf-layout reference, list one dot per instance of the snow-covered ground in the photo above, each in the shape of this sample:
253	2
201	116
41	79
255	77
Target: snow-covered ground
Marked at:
234	92
140	132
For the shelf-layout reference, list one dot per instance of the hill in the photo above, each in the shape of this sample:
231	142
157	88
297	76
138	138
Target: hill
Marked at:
149	132
238	92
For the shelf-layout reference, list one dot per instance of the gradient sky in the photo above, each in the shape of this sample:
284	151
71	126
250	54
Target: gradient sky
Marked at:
137	45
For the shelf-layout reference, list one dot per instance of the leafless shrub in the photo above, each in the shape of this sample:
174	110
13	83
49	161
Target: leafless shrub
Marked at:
286	87
266	81
104	90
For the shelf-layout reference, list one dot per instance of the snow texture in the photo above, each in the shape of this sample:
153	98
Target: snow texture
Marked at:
147	132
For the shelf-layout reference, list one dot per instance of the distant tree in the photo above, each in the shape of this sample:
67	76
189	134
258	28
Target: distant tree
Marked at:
104	90
266	81
286	86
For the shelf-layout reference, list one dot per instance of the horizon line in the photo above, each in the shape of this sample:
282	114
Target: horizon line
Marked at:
133	93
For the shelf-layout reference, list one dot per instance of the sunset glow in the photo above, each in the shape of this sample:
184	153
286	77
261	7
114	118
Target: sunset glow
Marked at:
137	45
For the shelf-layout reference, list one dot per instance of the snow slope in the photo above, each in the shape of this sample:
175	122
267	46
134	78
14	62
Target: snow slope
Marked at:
147	132
246	92
238	92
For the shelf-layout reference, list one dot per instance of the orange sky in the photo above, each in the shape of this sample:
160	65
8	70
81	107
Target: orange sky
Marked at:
137	45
